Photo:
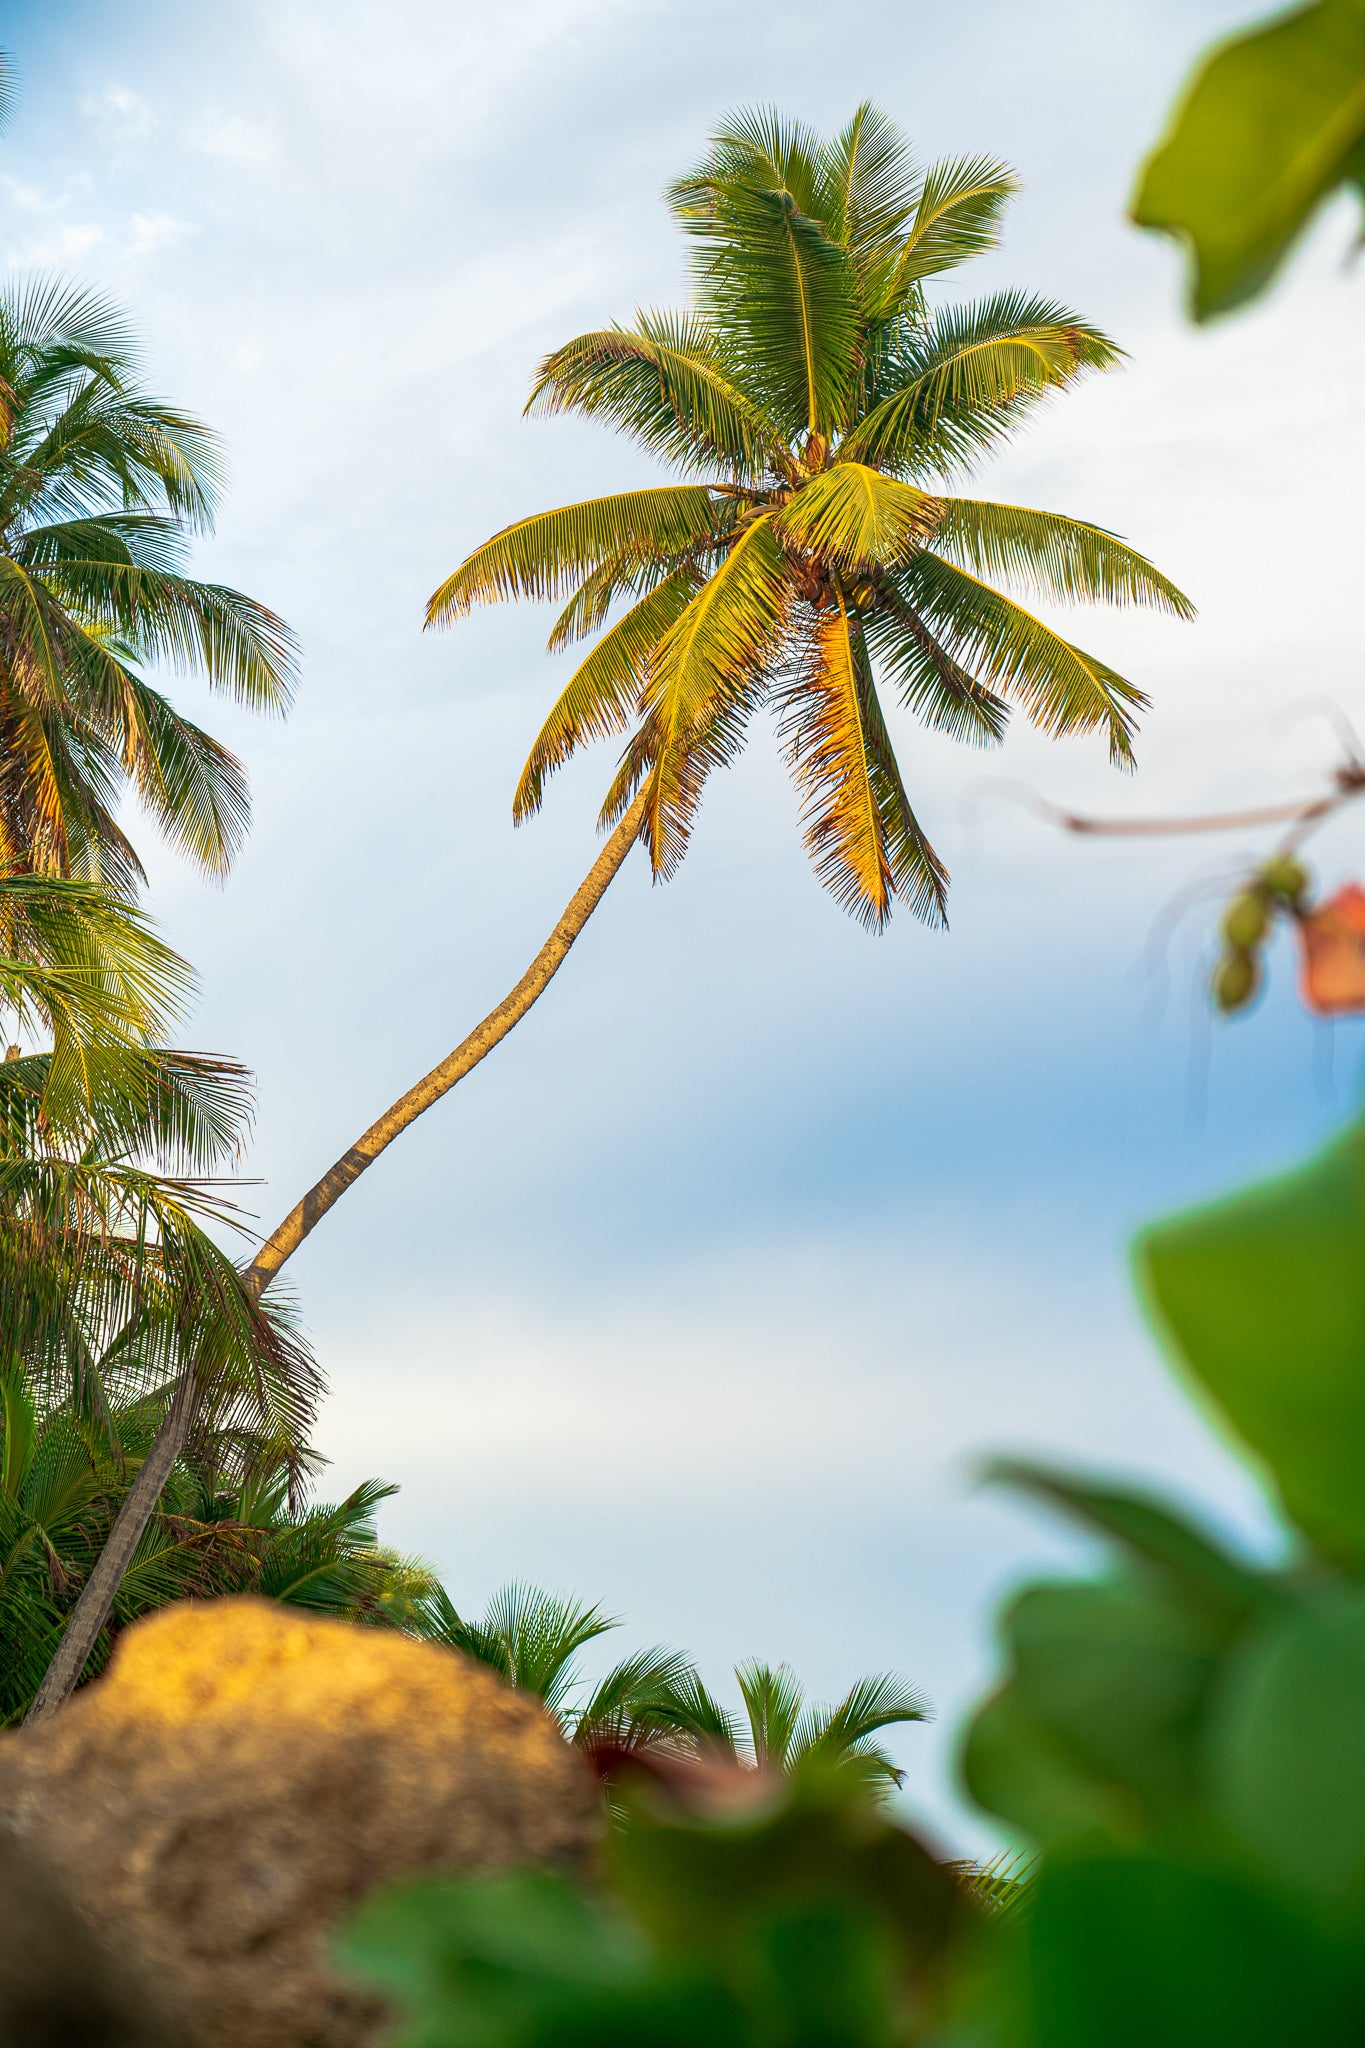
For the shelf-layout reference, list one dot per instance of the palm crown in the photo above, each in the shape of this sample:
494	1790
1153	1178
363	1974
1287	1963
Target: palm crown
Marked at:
819	407
101	488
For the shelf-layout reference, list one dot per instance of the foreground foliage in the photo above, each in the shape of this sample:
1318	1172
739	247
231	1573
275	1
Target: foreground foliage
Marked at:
794	1914
819	404
1270	125
1176	1742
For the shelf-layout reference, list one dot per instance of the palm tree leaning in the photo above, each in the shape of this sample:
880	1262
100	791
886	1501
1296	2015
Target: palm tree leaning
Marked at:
817	408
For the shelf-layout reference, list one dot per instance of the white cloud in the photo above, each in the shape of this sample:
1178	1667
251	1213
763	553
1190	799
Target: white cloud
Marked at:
58	246
230	136
152	232
124	116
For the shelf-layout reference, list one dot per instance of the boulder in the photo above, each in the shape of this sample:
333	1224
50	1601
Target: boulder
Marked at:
243	1775
58	1987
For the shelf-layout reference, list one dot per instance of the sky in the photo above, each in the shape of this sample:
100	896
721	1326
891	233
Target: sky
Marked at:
709	1294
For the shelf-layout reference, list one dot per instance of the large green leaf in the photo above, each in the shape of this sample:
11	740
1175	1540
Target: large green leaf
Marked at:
1019	1768
1271	124
1262	1297
1120	1676
1182	1558
1148	1952
1287	1758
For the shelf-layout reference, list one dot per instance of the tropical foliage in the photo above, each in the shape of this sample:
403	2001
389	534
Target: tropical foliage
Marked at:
654	1702
813	559
102	488
234	1518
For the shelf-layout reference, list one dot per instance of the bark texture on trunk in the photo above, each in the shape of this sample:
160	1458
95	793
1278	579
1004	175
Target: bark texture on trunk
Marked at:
96	1602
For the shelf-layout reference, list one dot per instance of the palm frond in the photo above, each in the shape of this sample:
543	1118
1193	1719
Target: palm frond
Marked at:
856	518
703	681
873	190
861	834
946	696
548	554
957	216
602	694
664	383
961	384
769	277
633	1704
1052	556
772	1704
1061	688
529	1637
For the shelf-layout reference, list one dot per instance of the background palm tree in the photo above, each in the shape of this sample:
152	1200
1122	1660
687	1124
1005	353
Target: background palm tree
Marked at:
783	1731
827	407
102	488
233	1518
655	1701
532	1639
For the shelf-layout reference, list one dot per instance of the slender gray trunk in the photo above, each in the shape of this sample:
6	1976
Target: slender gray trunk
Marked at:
139	1504
96	1601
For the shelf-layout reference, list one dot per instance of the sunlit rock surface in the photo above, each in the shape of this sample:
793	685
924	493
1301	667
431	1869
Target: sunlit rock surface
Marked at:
242	1776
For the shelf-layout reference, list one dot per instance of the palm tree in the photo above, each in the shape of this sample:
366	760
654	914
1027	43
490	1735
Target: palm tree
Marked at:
233	1519
785	1732
114	1289
102	488
247	1525
532	1639
655	1701
826	406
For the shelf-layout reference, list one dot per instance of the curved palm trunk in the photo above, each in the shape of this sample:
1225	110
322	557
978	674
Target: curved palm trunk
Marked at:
97	1597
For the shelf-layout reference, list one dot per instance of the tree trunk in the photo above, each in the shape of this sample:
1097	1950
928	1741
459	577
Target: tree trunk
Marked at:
97	1596
92	1609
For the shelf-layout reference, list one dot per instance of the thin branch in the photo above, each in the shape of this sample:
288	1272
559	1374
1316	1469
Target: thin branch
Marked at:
1305	812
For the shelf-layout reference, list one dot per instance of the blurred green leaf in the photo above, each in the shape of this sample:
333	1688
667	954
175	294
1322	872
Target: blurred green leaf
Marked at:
1263	1299
1148	1952
1181	1556
490	1959
1288	1758
700	1886
1120	1676
1272	122
1017	1767
804	1920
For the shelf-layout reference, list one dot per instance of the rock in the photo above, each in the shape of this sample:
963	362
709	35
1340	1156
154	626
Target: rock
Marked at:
58	1987
242	1776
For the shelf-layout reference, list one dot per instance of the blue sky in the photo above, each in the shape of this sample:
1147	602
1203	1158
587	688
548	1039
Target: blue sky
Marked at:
709	1292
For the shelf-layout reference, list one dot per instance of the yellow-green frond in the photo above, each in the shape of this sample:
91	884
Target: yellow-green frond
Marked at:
602	694
546	555
1056	557
664	383
858	827
706	675
1062	688
855	518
